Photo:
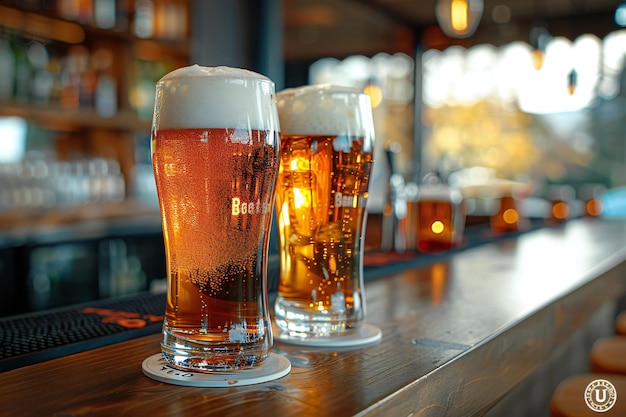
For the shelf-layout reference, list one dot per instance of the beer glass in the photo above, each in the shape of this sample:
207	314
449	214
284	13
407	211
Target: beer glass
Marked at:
440	218
591	194
508	217
325	162
215	145
560	197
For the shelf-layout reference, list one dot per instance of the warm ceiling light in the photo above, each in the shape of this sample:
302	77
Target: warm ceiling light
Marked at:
459	18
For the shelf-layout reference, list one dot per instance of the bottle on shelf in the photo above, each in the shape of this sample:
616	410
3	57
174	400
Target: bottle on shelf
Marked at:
7	69
21	92
105	99
143	24
42	80
104	13
78	10
170	20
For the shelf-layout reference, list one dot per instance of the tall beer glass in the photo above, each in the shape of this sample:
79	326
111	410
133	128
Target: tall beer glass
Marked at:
325	163
215	144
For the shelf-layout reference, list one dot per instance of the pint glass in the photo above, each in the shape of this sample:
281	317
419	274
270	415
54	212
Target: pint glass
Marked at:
215	144
560	197
440	218
508	216
325	163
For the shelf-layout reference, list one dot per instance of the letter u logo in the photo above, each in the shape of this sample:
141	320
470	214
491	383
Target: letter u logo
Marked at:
600	395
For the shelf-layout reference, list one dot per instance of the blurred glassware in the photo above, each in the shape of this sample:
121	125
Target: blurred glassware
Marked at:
509	217
561	197
591	194
411	192
40	181
487	195
394	222
439	216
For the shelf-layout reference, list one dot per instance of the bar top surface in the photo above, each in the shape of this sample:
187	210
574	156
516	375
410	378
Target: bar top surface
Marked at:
458	334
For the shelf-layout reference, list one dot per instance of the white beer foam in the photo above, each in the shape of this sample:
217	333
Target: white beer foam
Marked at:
215	97
325	110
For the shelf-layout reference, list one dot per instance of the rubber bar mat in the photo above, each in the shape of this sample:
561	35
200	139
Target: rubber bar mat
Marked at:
36	337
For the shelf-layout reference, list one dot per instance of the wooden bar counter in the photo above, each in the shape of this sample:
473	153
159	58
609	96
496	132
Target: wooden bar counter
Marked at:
459	332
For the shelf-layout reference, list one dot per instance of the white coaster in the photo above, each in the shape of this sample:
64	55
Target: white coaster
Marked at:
366	335
274	367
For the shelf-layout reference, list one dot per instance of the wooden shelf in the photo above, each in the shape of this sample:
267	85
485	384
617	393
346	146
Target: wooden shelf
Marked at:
56	118
20	12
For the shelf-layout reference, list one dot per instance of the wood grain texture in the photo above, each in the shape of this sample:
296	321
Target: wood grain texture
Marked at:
458	334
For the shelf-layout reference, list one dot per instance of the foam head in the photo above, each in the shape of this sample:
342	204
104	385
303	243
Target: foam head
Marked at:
215	97
325	110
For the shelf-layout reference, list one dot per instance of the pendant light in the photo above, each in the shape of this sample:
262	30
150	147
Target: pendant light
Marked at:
459	18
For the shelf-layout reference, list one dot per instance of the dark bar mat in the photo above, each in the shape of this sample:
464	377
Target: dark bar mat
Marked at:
36	337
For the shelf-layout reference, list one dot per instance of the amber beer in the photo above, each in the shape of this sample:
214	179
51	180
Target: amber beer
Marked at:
508	217
215	146
560	197
325	164
440	218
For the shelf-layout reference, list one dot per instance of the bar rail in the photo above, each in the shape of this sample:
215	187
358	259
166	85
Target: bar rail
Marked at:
459	333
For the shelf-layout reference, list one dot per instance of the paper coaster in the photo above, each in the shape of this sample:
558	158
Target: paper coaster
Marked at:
274	367
365	335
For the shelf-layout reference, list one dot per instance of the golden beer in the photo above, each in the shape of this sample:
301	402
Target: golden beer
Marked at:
215	171
591	195
325	164
440	218
508	217
560	197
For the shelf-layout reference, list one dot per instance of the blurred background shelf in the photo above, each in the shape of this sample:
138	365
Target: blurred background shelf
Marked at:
53	117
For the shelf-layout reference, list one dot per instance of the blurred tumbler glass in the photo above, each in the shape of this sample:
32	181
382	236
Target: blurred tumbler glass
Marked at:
591	194
440	218
560	197
215	145
325	164
508	218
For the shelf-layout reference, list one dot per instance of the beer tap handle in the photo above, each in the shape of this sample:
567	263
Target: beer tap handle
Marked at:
394	214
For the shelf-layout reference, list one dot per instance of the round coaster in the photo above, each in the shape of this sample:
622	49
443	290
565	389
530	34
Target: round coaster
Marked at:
366	335
157	367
